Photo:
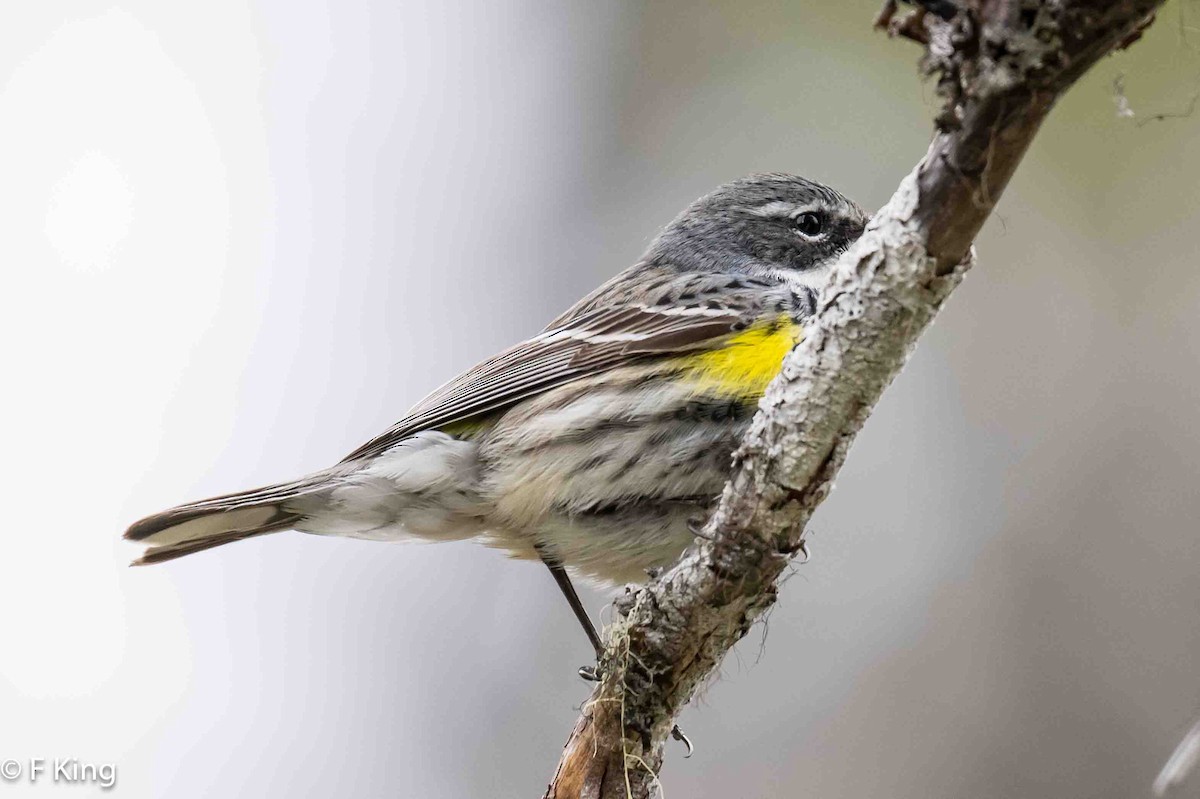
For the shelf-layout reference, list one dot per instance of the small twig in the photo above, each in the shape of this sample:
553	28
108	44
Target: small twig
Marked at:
1136	33
909	26
885	15
1125	109
1180	764
1184	114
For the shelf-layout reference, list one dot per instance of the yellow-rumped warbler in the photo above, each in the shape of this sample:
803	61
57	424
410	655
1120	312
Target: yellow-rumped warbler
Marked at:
596	444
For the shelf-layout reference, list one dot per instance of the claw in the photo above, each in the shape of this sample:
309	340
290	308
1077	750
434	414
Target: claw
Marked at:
678	735
590	673
696	527
593	674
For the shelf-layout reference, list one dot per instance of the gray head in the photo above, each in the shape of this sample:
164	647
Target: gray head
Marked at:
774	226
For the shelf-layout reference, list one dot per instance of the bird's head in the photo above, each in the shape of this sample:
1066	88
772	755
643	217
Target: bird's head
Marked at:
775	226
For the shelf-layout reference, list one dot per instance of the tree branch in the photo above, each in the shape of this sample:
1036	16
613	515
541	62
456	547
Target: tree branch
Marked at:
1001	65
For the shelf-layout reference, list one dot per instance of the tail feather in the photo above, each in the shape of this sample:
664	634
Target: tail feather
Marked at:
158	554
202	525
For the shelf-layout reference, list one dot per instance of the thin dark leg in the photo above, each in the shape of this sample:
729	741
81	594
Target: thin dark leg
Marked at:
564	584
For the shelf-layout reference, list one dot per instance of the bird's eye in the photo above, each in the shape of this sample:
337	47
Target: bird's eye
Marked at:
809	224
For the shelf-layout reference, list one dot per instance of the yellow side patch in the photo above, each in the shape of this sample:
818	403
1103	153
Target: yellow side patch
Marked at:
748	361
466	428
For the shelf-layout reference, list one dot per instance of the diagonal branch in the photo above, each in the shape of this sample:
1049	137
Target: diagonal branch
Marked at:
1001	65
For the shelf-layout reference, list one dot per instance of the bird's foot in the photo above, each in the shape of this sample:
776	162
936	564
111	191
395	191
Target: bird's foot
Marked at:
678	735
594	674
591	673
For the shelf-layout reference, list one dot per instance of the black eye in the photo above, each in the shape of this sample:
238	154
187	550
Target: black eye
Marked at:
809	223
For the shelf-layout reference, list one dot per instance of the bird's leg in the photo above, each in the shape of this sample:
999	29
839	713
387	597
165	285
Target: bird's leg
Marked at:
564	583
591	673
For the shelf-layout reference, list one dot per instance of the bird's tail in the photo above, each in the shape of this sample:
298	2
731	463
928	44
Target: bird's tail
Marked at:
222	520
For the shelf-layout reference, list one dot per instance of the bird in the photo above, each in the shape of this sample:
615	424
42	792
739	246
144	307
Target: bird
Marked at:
598	445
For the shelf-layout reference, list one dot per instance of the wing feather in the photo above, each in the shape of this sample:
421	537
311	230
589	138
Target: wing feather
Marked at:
591	339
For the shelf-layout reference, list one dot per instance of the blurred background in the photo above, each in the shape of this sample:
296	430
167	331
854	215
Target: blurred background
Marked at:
240	238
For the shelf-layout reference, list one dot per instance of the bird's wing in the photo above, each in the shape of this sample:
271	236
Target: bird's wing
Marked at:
593	337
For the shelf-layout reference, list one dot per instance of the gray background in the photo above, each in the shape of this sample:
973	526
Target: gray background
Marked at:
238	239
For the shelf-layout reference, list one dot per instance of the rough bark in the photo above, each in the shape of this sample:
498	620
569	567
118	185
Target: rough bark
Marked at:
1000	65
